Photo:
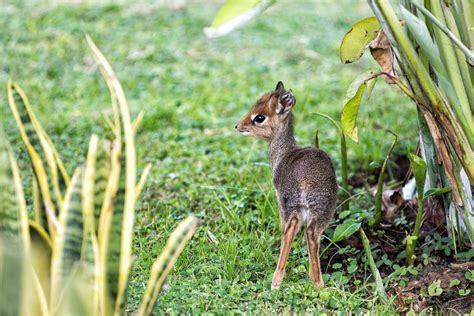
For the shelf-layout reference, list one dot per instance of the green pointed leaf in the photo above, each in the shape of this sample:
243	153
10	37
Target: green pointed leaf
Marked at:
346	229
356	40
41	153
234	14
163	265
11	268
68	240
436	191
351	104
40	258
129	181
108	236
102	172
375	220
419	171
9	224
115	238
422	36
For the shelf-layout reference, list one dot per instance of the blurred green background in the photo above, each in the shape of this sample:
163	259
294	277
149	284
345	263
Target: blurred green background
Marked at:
193	90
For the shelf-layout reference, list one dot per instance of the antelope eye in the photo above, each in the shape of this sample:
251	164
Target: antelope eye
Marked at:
259	118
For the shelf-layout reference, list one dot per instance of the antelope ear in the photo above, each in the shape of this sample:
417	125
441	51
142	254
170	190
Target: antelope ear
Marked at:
286	102
280	87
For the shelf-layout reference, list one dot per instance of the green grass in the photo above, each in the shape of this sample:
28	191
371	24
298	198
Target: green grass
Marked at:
193	91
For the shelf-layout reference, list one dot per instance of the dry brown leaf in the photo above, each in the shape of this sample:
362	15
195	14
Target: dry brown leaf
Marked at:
392	202
434	211
382	52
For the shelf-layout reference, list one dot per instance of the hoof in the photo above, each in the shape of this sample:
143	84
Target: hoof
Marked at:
276	281
318	284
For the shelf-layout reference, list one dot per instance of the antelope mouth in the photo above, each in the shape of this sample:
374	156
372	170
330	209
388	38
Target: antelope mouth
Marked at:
244	132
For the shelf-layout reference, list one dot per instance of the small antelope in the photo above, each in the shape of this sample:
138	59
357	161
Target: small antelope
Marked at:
304	178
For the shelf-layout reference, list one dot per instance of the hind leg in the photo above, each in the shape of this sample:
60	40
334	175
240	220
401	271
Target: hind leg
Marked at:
288	235
313	236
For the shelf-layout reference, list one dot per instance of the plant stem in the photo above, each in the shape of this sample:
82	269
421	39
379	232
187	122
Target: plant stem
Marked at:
454	67
411	240
379	288
378	196
316	138
345	186
442	27
345	194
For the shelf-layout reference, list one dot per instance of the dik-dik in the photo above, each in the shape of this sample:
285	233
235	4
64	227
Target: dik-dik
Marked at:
304	178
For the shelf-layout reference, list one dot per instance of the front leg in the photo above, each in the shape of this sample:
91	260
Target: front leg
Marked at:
288	235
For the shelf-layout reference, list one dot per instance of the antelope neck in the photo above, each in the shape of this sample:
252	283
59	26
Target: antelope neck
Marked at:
281	142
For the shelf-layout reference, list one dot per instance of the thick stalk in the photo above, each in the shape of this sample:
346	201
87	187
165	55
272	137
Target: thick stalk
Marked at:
419	171
447	31
436	175
448	56
466	208
461	59
461	142
464	18
411	240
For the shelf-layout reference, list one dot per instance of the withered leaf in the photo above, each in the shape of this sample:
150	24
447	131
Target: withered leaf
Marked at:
382	52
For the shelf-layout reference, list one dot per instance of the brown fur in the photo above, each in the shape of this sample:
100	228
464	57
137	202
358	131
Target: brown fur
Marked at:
304	178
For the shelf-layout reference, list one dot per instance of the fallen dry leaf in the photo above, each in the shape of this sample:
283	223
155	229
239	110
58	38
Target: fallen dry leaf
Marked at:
392	202
433	211
382	52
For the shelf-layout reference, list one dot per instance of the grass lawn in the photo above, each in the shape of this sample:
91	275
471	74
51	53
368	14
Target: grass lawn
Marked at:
193	91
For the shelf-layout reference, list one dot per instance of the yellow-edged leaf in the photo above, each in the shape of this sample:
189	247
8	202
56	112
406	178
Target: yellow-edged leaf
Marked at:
130	175
165	262
351	106
37	150
67	244
355	41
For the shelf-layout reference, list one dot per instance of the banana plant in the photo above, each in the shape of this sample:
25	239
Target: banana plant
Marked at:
76	254
432	45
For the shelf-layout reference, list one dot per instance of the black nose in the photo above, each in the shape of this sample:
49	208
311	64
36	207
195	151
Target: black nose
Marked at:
235	126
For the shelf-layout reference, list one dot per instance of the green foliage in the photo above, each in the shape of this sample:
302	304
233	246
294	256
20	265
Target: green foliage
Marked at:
75	276
454	282
234	14
434	289
469	275
346	229
435	191
351	104
357	38
440	243
423	51
402	273
375	220
187	132
447	91
418	166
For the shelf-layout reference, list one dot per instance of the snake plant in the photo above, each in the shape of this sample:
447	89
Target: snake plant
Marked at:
74	254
